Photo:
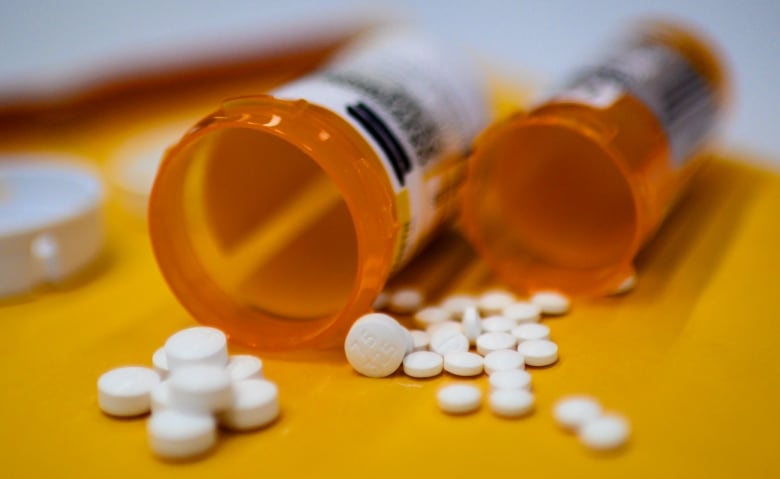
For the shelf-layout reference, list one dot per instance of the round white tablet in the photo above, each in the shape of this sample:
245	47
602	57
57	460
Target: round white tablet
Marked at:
529	331
420	339
572	412
457	304
126	391
463	363
161	396
201	389
511	402
197	345
425	317
538	352
606	432
244	366
493	302
472	324
160	362
489	342
503	360
454	326
381	300
627	285
551	302
510	379
459	398
255	404
522	312
178	435
498	324
406	300
375	345
423	364
447	341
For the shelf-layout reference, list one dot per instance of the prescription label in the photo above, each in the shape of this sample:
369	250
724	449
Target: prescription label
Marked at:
664	81
419	106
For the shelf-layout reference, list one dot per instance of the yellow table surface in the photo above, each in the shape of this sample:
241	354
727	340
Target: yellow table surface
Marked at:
690	357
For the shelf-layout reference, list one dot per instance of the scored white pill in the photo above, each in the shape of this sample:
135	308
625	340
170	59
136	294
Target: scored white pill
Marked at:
489	342
510	379
425	317
529	331
606	432
572	412
457	304
420	339
255	404
503	360
472	324
126	391
200	389
522	312
498	324
551	302
538	352
197	345
446	341
493	302
160	362
423	364
511	403
175	434
375	345
463	363
459	398
161	396
244	366
406	300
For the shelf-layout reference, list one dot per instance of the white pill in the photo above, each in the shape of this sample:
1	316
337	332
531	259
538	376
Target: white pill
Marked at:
446	341
459	398
529	331
510	379
381	300
244	366
606	432
489	342
498	324
522	312
425	317
198	345
627	285
423	364
406	300
511	402
200	389
471	324
255	404
161	396
551	302
572	412
175	434
160	362
452	326
463	363
493	302
420	339
503	360
126	391
375	345
408	338
457	304
538	352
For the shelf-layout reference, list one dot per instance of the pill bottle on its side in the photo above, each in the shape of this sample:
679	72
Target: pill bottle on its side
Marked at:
563	197
279	218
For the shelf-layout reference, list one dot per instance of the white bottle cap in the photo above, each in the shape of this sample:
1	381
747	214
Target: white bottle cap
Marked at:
50	221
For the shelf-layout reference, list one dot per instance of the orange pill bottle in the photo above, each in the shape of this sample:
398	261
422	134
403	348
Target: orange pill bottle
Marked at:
563	197
279	218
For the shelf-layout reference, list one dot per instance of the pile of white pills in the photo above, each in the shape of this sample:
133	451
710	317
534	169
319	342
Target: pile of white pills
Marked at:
193	387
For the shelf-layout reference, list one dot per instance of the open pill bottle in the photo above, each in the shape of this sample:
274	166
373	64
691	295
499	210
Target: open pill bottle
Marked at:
563	197
279	218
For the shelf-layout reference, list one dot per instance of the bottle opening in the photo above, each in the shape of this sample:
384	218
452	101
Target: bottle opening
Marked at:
268	225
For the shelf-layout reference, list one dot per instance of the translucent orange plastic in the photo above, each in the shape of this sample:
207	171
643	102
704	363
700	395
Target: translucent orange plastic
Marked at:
274	221
565	196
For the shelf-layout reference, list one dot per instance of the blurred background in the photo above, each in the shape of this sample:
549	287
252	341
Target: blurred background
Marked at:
49	48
